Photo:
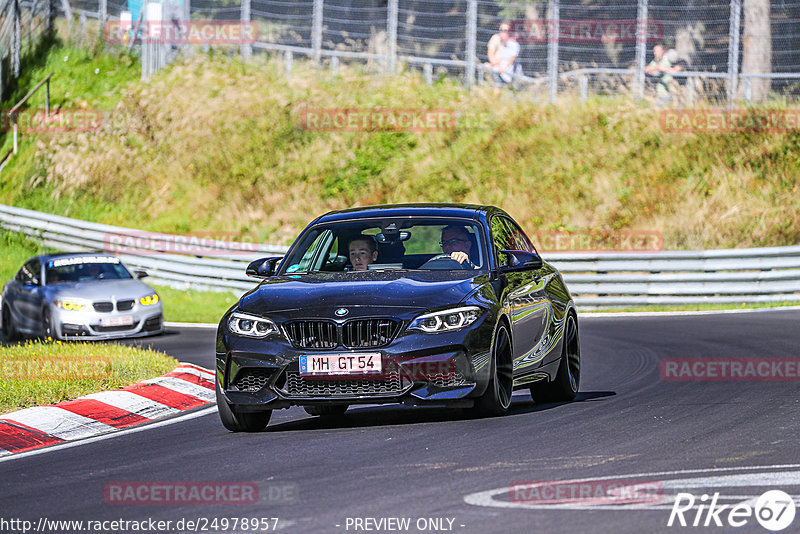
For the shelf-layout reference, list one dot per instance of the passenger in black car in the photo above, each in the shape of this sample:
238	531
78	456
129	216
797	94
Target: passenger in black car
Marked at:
362	252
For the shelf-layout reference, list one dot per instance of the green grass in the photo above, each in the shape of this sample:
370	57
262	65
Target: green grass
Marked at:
193	306
210	143
36	373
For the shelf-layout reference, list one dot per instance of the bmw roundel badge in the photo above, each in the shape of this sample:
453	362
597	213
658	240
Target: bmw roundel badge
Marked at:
341	312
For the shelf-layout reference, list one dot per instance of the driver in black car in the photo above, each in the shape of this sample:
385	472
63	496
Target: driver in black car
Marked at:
456	242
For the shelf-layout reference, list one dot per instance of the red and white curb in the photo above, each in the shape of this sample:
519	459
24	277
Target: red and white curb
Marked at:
187	387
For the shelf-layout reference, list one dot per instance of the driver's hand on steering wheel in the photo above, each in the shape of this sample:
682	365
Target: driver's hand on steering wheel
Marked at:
461	257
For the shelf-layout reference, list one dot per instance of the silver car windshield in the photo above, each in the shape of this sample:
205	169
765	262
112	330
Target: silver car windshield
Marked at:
73	270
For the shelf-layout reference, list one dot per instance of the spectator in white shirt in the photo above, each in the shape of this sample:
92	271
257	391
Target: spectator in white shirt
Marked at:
503	50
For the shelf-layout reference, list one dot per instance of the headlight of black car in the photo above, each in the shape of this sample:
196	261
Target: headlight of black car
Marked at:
446	320
247	325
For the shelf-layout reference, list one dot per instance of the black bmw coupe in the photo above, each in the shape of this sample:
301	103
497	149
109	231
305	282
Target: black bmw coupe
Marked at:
419	304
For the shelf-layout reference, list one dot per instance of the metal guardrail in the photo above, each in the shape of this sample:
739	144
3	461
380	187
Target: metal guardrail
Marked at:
596	280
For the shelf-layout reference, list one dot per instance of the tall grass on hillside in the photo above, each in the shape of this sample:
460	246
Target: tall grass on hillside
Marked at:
213	144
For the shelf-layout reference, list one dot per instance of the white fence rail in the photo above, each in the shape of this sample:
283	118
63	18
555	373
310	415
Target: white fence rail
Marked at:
597	280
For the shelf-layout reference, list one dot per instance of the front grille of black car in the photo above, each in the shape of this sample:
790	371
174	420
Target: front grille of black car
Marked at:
388	383
447	380
252	379
369	333
313	334
124	305
355	333
103	307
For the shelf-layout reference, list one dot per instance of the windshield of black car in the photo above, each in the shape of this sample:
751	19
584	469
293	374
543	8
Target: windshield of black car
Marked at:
381	244
82	269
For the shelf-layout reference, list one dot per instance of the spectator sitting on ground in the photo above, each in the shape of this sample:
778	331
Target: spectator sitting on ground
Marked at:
502	52
657	72
362	252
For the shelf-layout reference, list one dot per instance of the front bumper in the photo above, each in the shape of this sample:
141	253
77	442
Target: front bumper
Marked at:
144	321
443	369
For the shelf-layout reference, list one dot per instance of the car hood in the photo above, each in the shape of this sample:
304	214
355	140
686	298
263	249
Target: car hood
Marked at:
100	289
363	293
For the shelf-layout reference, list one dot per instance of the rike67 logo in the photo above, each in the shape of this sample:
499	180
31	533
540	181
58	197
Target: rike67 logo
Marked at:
774	510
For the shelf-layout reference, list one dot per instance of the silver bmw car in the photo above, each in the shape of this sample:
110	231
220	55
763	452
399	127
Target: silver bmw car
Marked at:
87	296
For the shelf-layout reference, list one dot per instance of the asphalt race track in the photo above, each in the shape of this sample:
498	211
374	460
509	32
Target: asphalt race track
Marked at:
442	470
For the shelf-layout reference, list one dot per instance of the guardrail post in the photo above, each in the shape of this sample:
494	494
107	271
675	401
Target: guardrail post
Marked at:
748	89
103	15
316	31
733	50
427	73
472	37
334	66
287	63
391	36
82	27
583	83
691	87
47	100
245	49
552	48
641	48
15	129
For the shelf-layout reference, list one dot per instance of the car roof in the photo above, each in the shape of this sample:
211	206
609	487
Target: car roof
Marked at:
470	211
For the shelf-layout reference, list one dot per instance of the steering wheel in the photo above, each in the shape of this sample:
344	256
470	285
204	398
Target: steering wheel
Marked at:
443	262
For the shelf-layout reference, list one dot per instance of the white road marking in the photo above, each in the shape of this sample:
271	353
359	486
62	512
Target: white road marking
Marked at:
131	402
182	386
193	415
195	370
683	313
781	476
58	422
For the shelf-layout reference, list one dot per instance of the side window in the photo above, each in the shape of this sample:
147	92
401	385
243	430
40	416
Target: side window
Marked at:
518	238
312	259
501	240
29	271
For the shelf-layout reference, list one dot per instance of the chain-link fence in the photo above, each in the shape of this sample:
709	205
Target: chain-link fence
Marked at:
22	25
716	50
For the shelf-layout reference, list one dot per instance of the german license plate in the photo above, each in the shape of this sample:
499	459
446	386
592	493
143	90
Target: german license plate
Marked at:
340	364
122	320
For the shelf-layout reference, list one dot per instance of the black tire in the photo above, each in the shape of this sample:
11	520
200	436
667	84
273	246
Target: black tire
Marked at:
326	411
497	398
48	332
9	332
568	377
240	422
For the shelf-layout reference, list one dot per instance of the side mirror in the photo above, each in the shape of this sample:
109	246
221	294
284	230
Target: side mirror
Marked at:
140	273
263	267
520	260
